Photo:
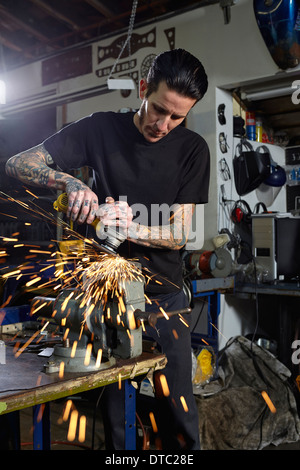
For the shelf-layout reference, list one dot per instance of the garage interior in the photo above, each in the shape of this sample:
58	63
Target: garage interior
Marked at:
241	279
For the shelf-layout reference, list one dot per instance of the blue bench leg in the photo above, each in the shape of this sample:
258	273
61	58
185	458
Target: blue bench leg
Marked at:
130	422
41	427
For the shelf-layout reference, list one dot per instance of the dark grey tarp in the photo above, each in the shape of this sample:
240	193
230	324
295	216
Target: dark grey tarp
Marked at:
232	411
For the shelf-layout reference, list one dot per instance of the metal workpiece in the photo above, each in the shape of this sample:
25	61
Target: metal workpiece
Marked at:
151	318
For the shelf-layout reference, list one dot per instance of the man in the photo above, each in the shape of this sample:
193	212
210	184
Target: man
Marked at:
141	160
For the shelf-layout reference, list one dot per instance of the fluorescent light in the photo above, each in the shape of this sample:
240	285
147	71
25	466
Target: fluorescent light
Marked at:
266	94
53	100
2	92
120	84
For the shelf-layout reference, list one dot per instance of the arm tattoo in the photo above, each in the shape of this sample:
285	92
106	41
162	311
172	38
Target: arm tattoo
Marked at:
73	184
173	236
32	168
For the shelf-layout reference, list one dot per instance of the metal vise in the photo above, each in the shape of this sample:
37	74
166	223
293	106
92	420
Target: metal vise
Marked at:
108	330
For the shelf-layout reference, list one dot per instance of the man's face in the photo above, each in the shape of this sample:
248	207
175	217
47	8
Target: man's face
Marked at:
161	112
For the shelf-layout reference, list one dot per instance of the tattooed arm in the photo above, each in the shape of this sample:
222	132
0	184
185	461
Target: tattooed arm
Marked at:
172	236
32	167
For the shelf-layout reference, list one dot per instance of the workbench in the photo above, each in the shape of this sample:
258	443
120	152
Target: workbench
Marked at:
278	306
211	289
24	384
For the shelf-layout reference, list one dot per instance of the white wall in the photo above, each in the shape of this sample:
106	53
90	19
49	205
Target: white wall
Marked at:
230	53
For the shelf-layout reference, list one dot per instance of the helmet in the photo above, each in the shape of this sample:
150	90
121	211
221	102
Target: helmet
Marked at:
276	177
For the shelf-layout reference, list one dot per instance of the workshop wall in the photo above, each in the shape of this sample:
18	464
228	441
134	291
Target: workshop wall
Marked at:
231	53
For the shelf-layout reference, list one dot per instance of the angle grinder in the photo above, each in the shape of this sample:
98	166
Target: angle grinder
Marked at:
111	237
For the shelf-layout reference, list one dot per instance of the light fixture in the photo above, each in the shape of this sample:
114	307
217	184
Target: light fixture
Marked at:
120	84
267	94
2	92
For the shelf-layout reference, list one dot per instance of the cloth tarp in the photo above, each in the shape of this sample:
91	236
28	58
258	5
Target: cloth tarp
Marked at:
232	411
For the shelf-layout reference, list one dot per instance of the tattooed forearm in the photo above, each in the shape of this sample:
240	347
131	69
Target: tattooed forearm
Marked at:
173	236
32	168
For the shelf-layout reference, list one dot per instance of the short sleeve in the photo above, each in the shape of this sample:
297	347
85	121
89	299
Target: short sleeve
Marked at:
68	147
195	180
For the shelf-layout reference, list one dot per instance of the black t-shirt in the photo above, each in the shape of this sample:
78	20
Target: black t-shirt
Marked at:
147	175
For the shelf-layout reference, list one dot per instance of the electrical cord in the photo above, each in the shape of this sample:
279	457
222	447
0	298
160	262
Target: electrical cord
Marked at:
94	417
199	315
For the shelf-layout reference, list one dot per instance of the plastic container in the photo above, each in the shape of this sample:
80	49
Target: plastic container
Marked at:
250	126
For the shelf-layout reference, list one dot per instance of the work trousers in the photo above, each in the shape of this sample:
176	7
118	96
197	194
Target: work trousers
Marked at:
177	415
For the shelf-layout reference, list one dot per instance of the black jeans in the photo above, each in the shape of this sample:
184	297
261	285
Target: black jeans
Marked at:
177	421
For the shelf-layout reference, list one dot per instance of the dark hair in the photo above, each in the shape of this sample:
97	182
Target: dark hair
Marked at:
181	71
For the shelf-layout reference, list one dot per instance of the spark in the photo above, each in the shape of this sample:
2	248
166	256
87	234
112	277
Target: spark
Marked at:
184	405
79	264
164	313
9	215
88	353
11	273
6	303
153	422
61	370
214	326
183	321
82	429
66	334
33	281
40	413
67	410
19	352
175	334
72	425
32	194
74	347
268	401
99	358
38	381
164	385
38	308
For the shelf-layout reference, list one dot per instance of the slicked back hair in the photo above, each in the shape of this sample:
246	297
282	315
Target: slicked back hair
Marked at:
181	71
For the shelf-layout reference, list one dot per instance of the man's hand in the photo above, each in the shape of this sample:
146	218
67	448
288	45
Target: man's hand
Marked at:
82	202
116	213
